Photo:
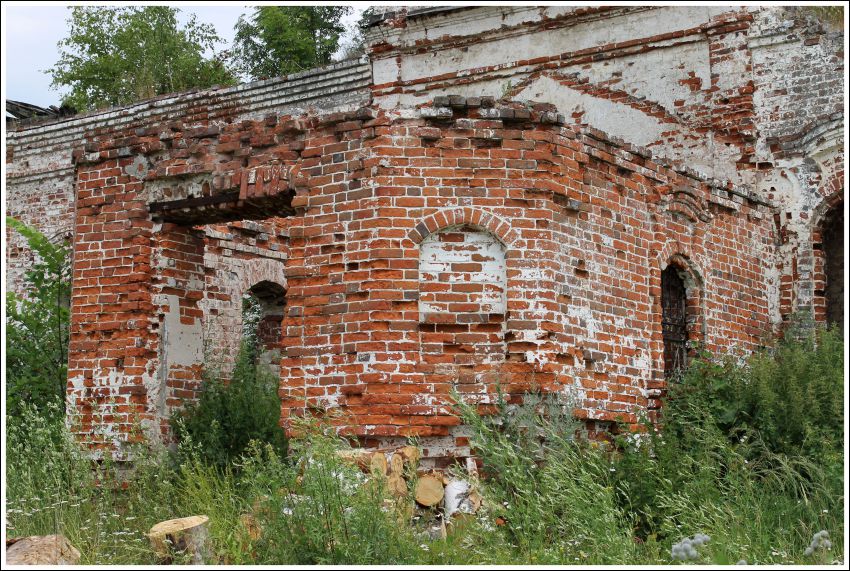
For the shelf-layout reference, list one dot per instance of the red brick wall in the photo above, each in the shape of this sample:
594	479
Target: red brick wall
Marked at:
565	231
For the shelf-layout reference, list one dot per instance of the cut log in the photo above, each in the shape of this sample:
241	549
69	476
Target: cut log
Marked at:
396	485
456	495
42	550
475	501
397	464
411	455
429	490
354	457
181	538
437	531
250	534
378	463
252	526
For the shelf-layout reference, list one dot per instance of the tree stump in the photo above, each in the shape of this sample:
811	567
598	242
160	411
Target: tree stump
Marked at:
177	538
429	490
42	550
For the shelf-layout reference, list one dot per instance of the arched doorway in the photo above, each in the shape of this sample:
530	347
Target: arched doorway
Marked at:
263	310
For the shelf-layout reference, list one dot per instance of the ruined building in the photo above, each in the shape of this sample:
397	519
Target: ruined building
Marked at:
494	198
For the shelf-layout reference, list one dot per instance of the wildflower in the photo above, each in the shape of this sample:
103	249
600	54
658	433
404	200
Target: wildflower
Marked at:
819	540
686	549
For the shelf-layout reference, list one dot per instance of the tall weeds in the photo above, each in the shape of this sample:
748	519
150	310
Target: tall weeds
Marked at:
721	464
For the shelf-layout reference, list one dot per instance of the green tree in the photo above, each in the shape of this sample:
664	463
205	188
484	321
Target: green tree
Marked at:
278	40
115	56
37	326
356	45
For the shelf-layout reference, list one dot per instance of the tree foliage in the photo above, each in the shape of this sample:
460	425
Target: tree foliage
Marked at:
278	40
115	56
356	45
37	326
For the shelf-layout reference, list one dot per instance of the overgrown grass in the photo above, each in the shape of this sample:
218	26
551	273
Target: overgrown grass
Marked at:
724	465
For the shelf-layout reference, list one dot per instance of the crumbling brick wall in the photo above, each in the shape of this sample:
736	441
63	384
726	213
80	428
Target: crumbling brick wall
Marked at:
749	94
448	235
41	175
474	249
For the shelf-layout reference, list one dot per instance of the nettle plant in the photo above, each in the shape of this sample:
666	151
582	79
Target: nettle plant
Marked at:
37	325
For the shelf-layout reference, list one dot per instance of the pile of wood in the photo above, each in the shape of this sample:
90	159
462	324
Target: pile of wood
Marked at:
398	466
443	503
434	502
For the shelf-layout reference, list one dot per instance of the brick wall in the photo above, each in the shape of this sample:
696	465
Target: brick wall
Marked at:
40	173
451	236
475	248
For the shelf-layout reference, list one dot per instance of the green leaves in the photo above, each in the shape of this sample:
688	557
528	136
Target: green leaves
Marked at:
37	325
791	395
115	56
279	40
231	413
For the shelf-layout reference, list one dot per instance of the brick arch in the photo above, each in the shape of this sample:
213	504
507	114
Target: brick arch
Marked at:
263	270
459	216
271	297
463	311
832	188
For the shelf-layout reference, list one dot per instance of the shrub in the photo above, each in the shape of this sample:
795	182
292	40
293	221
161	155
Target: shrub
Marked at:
549	490
749	453
230	413
791	397
37	326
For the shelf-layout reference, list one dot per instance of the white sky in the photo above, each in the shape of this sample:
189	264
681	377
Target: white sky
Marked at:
30	35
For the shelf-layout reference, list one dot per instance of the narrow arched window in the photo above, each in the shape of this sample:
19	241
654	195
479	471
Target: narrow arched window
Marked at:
832	237
674	321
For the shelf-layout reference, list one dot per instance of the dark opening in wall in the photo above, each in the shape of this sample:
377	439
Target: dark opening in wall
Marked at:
832	237
674	321
267	313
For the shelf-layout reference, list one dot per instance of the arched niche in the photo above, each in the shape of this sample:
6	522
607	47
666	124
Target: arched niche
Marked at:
463	294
